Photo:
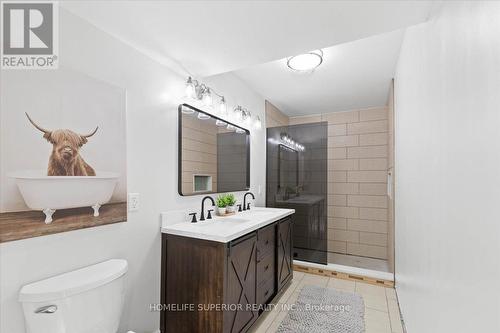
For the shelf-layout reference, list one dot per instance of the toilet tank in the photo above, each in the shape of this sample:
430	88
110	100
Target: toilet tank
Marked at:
87	300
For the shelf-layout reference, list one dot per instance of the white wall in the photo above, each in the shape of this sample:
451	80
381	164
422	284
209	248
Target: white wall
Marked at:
448	171
153	92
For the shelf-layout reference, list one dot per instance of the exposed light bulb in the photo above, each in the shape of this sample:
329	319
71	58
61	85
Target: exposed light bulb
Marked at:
223	106
238	113
207	97
257	124
230	127
190	89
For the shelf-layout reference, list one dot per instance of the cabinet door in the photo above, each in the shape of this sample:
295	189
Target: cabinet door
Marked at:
241	284
284	269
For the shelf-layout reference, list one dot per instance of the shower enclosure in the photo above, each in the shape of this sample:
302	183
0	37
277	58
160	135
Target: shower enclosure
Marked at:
297	179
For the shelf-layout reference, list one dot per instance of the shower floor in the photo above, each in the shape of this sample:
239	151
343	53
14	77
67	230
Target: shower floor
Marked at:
357	261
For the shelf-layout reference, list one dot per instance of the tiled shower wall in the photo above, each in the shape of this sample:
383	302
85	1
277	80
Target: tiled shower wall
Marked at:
357	180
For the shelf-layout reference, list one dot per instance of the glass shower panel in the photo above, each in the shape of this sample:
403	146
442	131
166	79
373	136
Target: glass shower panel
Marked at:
297	179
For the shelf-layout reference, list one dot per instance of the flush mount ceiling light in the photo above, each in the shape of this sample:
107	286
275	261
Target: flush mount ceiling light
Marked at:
306	62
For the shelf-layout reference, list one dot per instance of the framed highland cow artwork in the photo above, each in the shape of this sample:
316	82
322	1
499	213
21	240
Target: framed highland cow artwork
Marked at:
63	153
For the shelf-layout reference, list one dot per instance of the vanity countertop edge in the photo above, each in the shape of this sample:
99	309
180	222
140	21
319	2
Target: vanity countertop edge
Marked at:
213	230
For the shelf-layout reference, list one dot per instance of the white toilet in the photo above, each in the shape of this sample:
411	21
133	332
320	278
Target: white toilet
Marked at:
88	300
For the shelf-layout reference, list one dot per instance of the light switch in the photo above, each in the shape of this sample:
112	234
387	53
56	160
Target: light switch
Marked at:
133	202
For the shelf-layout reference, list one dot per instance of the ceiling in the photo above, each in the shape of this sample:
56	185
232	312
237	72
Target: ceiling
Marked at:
352	76
211	37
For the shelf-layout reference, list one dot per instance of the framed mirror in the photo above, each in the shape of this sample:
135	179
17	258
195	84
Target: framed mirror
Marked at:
214	154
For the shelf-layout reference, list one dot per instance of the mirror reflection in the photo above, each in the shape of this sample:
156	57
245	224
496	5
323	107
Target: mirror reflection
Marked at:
214	154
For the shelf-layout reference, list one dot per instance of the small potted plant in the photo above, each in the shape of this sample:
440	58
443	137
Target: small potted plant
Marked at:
221	205
230	202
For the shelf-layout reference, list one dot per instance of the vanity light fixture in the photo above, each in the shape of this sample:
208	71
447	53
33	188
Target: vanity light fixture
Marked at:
201	92
290	143
306	62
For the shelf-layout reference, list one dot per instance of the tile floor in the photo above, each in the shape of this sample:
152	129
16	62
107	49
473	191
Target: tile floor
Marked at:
381	305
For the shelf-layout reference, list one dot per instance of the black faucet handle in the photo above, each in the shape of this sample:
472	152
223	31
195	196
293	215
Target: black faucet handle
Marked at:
193	219
248	206
239	207
209	215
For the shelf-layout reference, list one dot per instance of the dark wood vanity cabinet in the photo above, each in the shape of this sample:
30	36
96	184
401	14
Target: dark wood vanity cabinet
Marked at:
240	283
284	253
221	285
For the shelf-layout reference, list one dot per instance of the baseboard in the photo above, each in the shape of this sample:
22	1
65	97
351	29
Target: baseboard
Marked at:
346	273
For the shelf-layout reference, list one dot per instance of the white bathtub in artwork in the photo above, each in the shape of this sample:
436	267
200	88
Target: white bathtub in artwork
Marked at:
49	193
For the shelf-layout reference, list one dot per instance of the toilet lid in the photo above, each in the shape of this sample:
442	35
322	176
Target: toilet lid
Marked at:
74	282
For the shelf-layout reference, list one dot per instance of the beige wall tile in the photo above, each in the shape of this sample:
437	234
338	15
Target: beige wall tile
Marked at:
367	250
274	116
270	122
343	188
193	145
373	114
341	117
343	235
374	201
379	214
367	176
373	164
343	141
337	176
305	120
347	212
367	225
336	246
337	200
371	238
373	189
374	139
337	223
367	152
365	127
335	130
345	164
337	153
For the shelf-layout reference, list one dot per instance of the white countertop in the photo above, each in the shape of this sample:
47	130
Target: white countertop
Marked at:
226	229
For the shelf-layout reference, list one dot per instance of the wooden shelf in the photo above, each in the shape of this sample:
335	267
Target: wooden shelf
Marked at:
27	224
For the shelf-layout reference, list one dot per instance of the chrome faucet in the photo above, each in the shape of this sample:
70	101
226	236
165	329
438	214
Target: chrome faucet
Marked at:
202	217
245	205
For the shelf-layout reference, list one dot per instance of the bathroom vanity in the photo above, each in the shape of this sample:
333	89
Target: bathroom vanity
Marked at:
217	275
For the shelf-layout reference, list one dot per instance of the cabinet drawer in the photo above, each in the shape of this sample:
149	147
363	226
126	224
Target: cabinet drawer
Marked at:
265	291
266	240
265	269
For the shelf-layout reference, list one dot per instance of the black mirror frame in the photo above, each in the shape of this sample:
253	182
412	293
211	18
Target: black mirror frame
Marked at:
179	148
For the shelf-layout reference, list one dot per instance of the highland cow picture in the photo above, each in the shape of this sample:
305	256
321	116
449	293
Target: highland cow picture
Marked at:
63	154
